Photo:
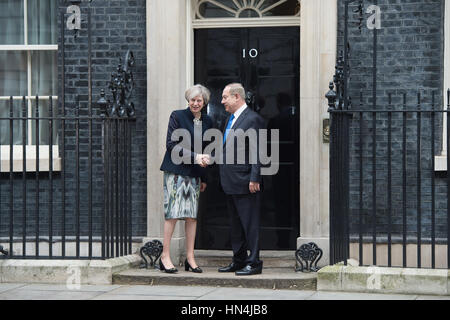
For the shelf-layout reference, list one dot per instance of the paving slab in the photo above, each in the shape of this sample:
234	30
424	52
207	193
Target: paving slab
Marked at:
132	297
74	295
358	296
33	292
255	294
172	291
63	287
433	298
4	287
26	294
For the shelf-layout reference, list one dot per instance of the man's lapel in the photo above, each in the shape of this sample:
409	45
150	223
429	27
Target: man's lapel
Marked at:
240	119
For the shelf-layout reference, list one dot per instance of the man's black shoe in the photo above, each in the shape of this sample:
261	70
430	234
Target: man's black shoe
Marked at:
249	270
232	267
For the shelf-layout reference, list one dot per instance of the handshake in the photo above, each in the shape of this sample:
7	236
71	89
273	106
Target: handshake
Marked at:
202	160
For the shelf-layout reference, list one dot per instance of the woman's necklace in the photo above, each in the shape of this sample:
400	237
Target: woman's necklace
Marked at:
197	121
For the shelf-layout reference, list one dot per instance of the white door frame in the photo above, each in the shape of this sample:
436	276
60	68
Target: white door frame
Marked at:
170	65
225	23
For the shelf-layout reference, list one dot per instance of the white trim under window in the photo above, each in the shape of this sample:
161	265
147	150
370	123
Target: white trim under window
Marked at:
31	47
441	161
44	158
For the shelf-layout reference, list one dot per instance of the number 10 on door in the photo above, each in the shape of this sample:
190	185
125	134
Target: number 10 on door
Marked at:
253	53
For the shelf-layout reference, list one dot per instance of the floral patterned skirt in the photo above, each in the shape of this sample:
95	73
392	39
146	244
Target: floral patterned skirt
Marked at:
181	195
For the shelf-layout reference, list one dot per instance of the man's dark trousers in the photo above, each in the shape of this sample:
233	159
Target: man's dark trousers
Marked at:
244	211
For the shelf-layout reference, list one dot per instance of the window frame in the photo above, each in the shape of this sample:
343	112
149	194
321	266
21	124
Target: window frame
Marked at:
201	22
440	161
30	148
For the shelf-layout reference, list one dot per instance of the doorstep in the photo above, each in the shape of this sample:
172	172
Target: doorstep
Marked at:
278	273
221	258
271	278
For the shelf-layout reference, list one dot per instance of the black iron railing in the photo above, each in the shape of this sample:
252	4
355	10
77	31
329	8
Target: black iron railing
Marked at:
75	201
389	181
79	205
389	203
73	205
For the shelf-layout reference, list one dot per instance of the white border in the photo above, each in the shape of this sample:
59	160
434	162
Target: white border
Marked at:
30	149
246	22
440	162
446	67
32	47
193	23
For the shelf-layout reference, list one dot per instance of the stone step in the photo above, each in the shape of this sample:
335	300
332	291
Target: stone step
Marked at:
221	258
271	278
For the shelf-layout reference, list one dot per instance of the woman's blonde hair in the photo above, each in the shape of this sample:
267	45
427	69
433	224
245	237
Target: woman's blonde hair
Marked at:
197	90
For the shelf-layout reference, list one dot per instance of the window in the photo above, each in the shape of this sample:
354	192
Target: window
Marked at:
28	63
28	67
246	8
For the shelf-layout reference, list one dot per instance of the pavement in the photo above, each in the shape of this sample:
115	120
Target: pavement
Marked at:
21	291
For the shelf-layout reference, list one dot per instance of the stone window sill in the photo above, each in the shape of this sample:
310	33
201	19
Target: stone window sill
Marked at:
30	160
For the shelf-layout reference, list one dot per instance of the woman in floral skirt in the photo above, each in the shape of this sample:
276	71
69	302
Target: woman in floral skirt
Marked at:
184	181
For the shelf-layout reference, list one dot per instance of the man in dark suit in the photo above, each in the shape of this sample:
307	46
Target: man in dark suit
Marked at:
240	178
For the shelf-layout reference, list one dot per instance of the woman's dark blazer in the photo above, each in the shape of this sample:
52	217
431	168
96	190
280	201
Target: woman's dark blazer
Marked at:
184	119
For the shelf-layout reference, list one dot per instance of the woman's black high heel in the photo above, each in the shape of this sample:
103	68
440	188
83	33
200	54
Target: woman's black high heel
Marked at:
162	268
187	266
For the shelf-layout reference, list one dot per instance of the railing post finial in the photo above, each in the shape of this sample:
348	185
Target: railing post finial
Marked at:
331	96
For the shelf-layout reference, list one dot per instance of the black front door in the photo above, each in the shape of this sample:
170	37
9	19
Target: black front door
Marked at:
266	62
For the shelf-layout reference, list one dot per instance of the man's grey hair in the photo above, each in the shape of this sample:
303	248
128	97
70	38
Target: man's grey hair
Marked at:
237	88
198	90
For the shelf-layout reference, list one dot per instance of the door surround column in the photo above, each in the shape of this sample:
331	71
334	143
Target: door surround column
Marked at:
167	74
317	64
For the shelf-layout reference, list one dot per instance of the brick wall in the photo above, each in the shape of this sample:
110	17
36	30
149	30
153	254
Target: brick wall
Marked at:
409	60
117	26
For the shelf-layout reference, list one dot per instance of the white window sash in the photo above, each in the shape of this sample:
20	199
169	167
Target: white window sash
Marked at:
236	12
31	155
441	160
29	47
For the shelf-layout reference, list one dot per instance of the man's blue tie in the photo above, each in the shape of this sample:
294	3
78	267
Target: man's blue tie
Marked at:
227	130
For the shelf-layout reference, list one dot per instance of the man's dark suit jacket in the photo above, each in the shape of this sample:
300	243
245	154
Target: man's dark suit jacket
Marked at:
184	119
235	178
